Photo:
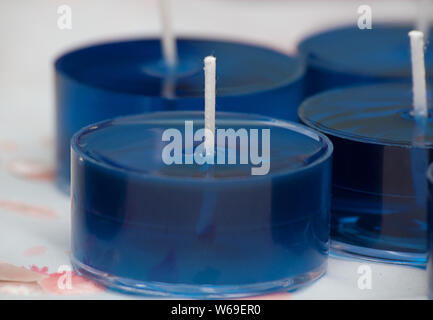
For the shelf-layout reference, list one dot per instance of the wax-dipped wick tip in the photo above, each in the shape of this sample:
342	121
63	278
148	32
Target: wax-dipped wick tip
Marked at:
419	85
416	34
209	60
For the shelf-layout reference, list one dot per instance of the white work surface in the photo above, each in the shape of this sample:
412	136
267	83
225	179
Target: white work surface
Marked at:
34	216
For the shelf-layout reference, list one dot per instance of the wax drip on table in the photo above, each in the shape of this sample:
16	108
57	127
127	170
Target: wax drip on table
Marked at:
204	224
423	22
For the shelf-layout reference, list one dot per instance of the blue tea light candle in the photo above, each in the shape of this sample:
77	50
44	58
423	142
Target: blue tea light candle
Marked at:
130	77
142	226
348	56
381	155
148	216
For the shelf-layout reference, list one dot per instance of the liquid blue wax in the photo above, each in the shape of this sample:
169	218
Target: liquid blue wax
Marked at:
349	56
123	78
381	156
142	226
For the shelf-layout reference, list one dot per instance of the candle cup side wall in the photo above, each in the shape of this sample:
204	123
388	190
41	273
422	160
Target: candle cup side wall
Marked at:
378	200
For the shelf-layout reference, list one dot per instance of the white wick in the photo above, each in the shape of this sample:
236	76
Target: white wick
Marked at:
418	74
423	21
209	103
168	39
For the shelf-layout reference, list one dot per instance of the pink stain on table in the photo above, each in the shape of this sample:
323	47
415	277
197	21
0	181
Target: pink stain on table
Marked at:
32	170
35	251
9	272
69	283
8	146
43	270
47	142
20	281
66	283
27	210
34	280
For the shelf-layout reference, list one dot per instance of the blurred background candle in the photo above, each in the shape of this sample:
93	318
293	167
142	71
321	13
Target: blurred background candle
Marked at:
381	155
347	56
121	78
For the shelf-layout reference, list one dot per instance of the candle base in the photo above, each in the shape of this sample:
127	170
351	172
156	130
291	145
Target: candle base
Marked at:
162	289
378	227
394	257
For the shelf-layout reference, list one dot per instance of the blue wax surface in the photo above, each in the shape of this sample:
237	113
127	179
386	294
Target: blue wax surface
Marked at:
348	56
381	156
123	78
199	230
430	231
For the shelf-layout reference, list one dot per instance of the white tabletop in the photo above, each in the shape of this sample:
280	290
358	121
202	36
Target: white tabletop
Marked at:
34	216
